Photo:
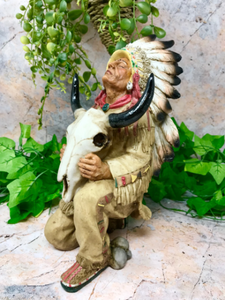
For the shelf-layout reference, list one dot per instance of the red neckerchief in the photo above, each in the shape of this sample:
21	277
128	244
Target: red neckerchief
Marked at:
100	101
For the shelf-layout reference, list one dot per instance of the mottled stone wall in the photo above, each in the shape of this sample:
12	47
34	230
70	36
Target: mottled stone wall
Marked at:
198	28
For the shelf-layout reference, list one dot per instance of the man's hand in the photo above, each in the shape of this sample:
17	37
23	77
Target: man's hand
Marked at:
93	168
62	150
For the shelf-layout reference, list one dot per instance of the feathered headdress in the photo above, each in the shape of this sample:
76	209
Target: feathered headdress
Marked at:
149	56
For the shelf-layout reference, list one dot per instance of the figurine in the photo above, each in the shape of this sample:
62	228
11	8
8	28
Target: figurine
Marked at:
112	152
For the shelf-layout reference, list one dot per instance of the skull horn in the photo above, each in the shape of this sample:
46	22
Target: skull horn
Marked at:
137	111
75	97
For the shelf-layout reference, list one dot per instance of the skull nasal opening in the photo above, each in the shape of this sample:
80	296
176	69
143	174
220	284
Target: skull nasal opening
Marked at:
100	139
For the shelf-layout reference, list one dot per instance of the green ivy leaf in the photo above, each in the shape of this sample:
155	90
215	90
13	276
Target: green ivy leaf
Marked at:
19	16
144	7
34	69
142	18
207	143
159	32
87	63
63	6
94	87
23	189
111	49
218	172
74	14
6	158
86	18
36	36
125	24
86	76
111	12
77	38
39	4
71	48
132	27
30	13
31	146
18	168
217	140
147	30
24	40
125	3
49	18
196	166
27	27
51	2
77	61
16	215
120	44
205	188
105	9
62	57
220	201
154	11
6	143
83	29
200	205
52	32
156	190
189	134
81	89
69	36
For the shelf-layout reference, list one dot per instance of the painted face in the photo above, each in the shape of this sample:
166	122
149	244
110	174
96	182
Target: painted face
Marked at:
118	74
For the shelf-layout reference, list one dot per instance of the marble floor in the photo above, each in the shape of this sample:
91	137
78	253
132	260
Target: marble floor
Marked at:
175	257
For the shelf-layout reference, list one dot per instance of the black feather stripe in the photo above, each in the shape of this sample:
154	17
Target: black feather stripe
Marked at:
158	113
168	44
176	56
176	80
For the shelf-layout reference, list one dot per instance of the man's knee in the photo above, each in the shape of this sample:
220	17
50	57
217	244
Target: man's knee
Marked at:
88	196
60	231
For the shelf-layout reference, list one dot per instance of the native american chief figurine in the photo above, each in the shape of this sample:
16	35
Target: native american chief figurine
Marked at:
112	152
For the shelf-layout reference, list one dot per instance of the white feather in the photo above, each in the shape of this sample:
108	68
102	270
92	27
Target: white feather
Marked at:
174	80
163	55
151	45
170	131
165	87
169	68
158	115
164	149
161	101
156	161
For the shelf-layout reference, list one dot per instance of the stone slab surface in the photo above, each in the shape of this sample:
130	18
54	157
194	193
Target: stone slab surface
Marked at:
175	257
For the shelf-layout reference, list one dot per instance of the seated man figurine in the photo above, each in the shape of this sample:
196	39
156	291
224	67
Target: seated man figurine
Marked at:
118	176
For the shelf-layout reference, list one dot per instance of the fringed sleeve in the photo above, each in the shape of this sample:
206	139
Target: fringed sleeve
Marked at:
132	168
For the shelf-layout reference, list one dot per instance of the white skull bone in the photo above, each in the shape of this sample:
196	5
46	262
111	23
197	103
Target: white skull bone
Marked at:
87	134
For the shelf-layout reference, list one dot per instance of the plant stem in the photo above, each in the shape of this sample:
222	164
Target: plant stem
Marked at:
135	23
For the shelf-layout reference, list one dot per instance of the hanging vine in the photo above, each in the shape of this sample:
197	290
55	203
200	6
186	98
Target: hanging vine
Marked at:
54	31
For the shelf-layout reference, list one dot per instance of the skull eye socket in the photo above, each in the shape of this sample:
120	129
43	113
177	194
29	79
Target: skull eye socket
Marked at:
100	139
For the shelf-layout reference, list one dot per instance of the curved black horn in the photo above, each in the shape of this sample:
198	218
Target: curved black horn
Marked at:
136	112
75	98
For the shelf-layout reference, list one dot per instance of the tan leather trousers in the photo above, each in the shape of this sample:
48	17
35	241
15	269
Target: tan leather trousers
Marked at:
86	225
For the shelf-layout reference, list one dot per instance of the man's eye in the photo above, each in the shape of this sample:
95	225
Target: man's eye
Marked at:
120	66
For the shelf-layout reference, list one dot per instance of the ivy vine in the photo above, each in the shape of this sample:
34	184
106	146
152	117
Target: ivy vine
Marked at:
54	31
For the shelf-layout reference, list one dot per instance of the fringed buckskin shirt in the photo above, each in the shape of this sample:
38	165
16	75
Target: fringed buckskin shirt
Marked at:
129	157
